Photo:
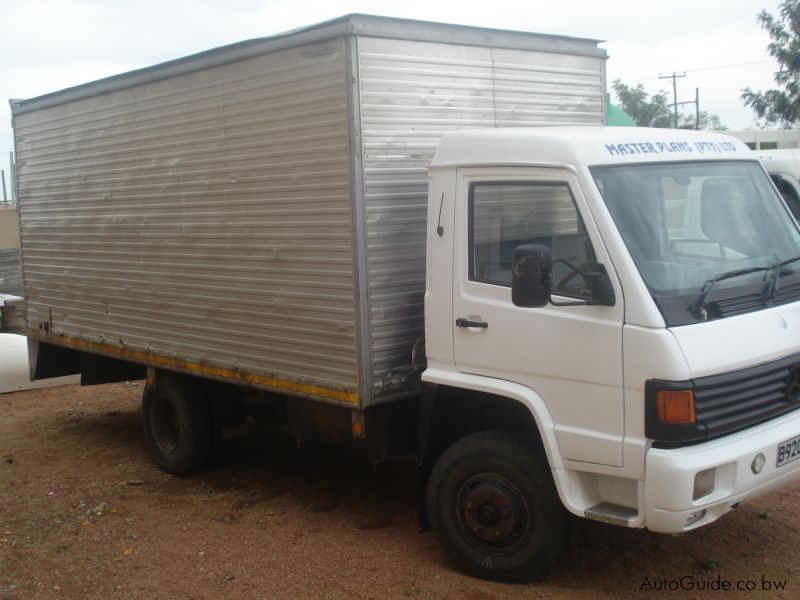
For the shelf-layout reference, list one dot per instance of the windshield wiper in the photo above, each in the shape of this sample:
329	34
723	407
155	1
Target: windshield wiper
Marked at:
774	283
698	307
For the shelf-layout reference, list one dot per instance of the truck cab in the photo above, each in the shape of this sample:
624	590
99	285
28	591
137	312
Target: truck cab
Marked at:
636	291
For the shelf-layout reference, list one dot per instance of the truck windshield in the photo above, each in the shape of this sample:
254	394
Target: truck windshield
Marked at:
710	239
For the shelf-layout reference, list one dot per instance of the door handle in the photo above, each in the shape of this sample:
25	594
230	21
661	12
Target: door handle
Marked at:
461	322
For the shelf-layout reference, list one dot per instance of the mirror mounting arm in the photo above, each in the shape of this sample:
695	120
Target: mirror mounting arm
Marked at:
577	303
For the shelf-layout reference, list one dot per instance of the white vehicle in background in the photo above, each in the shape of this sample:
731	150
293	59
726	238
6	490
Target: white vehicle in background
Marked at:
784	168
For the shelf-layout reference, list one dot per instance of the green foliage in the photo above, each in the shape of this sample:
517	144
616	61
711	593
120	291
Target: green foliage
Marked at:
656	110
710	564
780	106
646	110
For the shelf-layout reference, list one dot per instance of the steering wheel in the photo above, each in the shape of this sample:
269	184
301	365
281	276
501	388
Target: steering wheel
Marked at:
566	279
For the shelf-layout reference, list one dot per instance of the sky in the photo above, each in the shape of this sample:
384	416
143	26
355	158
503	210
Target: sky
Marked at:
47	45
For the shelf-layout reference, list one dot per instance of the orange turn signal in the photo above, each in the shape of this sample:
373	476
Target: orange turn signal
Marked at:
675	407
357	425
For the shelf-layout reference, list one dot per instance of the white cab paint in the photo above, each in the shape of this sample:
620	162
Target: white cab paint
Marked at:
582	370
572	356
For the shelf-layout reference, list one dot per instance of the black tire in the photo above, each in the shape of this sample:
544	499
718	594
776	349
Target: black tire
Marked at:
177	426
494	507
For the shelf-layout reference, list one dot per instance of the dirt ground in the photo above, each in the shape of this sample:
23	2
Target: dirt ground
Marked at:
85	513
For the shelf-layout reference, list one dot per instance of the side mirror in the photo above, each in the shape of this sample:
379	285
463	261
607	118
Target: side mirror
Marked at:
531	276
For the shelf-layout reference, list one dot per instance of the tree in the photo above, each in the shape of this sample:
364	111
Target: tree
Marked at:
656	110
709	122
647	111
780	106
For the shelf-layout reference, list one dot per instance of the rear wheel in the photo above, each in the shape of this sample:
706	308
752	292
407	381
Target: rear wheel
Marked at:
495	509
177	425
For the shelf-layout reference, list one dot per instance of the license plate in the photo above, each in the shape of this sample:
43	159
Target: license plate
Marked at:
788	451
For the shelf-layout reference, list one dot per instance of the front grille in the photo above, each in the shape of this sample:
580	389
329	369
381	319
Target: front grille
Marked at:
731	401
728	402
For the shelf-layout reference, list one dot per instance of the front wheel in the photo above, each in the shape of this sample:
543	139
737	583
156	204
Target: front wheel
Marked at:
495	509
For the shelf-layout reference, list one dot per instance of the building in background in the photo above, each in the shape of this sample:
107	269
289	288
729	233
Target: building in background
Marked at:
616	116
768	140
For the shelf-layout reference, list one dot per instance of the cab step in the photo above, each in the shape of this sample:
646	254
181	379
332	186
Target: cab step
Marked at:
611	513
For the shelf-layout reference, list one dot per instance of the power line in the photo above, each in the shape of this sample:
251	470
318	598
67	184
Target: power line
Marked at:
730	66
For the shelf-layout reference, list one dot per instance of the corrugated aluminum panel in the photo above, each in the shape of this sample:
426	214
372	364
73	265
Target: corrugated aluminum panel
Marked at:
411	94
205	216
10	272
211	206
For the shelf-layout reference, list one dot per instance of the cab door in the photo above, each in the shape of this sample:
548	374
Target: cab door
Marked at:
570	355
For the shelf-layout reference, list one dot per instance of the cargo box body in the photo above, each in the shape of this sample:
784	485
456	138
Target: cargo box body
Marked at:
257	213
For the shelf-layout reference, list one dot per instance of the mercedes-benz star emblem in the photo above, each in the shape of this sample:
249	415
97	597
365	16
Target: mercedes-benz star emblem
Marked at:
793	385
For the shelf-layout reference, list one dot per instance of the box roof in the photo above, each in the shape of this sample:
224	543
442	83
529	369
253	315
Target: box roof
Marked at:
348	25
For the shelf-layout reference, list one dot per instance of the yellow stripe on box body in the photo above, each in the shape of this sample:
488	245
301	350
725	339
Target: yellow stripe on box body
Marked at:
150	359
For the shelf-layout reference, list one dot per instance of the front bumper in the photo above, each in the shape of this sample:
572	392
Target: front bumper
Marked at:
670	506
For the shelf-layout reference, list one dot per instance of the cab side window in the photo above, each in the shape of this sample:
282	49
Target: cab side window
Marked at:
503	216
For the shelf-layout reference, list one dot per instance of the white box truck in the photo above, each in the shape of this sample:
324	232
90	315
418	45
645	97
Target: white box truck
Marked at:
555	320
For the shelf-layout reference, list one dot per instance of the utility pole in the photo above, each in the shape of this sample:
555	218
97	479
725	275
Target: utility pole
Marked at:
674	77
13	183
697	108
676	104
696	103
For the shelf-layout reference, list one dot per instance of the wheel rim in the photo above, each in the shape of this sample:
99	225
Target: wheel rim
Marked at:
493	513
164	424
